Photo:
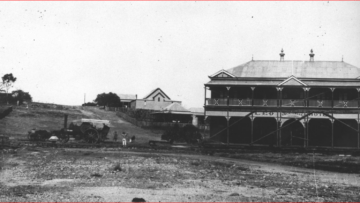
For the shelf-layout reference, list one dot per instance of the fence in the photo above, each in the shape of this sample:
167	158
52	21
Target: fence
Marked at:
138	114
150	124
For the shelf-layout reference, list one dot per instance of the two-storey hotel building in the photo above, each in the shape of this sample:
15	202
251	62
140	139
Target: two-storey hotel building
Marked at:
285	103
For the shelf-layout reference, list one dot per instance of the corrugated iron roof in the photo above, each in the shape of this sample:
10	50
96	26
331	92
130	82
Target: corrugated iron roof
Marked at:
175	107
299	69
127	96
196	110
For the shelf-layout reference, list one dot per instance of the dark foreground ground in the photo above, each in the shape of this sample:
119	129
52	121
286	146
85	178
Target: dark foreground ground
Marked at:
34	174
49	174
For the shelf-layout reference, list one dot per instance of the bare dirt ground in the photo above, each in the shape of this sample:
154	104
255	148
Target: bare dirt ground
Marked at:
38	174
33	174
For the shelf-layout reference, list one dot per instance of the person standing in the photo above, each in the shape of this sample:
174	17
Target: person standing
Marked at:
115	136
124	135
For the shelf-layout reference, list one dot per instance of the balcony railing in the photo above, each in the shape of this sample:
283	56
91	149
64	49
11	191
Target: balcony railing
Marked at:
320	103
284	103
239	102
216	102
346	104
293	103
265	102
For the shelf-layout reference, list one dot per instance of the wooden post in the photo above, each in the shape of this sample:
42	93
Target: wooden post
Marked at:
280	133
227	117
332	132
278	117
307	97
279	98
304	133
252	96
252	129
358	98
228	94
277	128
358	120
205	97
306	93
307	132
358	134
227	131
332	97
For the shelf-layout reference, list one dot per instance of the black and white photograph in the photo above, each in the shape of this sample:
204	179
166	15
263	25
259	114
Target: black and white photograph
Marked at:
179	101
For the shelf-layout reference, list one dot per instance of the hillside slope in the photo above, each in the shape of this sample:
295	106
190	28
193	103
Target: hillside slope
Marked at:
22	119
119	125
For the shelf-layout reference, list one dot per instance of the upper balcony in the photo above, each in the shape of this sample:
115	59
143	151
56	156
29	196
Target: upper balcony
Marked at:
284	97
281	103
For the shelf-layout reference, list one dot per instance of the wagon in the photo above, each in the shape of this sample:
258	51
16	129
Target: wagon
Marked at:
89	130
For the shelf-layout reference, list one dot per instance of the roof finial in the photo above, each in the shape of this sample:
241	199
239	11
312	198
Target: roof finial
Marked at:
282	54
342	58
311	55
252	57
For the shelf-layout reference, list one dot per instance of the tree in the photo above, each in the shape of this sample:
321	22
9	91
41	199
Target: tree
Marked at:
7	82
109	99
21	96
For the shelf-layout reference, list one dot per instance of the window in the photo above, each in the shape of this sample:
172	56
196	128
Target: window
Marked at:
158	99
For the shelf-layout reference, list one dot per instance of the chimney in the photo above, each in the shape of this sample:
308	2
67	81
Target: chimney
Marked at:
311	55
282	54
135	96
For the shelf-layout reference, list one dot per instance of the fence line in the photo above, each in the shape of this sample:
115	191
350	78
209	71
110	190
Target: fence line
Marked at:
150	124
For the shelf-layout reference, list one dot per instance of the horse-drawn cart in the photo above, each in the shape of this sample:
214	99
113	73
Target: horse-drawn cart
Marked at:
89	130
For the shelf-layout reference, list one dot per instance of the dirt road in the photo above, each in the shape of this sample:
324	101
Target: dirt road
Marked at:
119	125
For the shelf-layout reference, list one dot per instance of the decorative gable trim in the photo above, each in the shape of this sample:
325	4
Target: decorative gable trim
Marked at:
159	93
297	81
222	73
149	96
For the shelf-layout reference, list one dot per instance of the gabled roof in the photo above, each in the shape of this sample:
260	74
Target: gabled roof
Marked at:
292	81
299	69
175	107
155	92
222	74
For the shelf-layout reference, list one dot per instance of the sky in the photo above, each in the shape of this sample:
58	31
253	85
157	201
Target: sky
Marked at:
60	51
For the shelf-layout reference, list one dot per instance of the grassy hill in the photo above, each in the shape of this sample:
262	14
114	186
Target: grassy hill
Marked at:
45	117
23	119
